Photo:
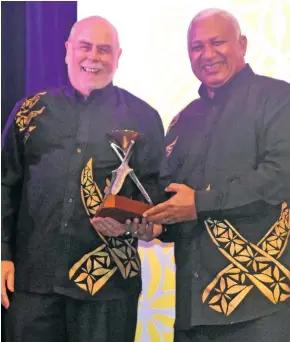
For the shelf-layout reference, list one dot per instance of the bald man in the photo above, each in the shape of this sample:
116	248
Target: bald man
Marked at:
229	154
73	283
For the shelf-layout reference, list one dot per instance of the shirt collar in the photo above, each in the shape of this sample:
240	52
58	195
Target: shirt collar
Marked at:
96	94
235	82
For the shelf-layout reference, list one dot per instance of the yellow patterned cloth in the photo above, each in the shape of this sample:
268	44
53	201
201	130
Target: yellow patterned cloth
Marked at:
95	268
251	265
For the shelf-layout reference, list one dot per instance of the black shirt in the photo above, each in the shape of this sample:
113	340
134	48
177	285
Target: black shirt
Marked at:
56	163
232	264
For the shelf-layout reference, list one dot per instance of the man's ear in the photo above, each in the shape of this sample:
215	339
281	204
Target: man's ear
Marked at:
243	44
66	49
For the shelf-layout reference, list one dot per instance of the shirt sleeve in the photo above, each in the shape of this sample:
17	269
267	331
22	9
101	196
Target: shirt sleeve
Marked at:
170	233
154	174
269	183
11	184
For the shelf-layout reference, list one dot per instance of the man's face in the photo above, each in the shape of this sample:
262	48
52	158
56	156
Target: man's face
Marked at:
216	53
92	55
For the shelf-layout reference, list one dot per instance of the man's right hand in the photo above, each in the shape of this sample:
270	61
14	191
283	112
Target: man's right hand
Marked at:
143	230
7	281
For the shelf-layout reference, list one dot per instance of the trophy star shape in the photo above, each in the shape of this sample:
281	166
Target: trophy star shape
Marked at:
126	140
113	205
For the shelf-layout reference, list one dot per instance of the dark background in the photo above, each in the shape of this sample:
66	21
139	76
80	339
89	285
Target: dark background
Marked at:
33	34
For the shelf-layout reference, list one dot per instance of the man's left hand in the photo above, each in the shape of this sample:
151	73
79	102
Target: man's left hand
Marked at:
144	230
108	226
179	208
141	230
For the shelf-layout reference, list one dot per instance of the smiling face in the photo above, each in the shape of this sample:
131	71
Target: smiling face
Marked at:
92	54
216	49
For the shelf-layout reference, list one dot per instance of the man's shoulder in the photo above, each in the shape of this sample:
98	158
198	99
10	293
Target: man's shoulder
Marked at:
271	87
268	81
147	116
195	107
271	96
133	100
41	96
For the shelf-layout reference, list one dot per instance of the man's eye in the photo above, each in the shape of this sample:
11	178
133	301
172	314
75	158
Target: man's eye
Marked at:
218	42
196	48
85	48
105	50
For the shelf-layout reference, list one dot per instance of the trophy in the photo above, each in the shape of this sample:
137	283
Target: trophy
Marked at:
115	206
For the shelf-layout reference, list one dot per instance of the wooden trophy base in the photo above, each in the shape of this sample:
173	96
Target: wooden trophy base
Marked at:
121	208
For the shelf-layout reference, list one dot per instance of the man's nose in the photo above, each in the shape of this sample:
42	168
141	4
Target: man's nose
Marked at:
94	55
208	52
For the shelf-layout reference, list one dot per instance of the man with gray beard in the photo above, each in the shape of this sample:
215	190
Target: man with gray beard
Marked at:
74	280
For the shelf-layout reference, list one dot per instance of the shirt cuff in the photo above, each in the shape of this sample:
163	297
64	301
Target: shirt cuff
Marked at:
169	233
206	201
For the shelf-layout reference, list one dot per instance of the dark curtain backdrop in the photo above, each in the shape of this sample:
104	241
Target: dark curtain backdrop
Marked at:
47	27
33	34
13	59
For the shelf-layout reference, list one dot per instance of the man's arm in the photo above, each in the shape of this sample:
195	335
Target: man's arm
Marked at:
169	232
269	183
11	183
153	173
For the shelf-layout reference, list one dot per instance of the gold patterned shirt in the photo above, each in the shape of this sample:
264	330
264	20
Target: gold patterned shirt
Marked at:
232	264
56	164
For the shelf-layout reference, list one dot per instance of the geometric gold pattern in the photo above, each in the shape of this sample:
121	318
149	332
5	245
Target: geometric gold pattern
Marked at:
24	115
173	122
95	268
169	148
251	265
90	192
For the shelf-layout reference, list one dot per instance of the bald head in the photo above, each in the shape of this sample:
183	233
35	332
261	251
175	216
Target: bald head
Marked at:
231	21
91	23
216	47
92	54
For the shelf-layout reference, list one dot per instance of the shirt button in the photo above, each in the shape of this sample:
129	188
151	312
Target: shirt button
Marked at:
70	200
79	150
196	274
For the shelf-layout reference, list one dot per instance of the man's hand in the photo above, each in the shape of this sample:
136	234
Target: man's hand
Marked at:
179	208
143	230
7	281
108	226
